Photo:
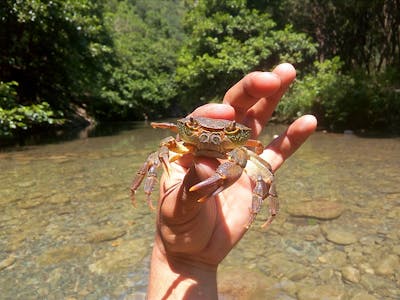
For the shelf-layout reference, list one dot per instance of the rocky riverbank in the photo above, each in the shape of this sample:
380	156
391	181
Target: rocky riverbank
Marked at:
345	256
69	231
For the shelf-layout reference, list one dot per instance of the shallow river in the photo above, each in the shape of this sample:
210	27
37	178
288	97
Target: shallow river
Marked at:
69	231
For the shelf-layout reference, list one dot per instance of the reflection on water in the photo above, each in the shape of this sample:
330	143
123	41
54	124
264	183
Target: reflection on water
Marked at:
68	228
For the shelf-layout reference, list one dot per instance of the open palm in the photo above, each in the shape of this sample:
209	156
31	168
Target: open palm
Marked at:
204	233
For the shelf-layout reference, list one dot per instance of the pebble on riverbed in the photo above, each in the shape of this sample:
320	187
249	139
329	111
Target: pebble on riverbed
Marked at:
105	234
320	292
339	235
318	209
333	257
363	296
5	263
122	259
350	274
232	286
57	255
387	265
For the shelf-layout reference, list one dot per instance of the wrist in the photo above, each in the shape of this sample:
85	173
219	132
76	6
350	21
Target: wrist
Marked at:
174	277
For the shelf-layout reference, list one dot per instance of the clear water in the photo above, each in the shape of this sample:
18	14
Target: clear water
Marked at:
68	229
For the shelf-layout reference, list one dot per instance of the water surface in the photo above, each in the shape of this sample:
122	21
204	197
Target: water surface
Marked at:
68	229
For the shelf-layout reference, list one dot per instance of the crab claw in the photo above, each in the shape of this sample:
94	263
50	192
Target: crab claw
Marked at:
225	175
212	185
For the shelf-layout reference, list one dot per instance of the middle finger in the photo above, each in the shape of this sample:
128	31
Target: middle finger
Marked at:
249	90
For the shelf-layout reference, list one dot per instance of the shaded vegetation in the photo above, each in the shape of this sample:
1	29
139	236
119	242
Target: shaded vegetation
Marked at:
55	52
133	59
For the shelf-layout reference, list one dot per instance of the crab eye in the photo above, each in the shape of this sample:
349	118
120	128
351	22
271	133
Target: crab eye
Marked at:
192	124
231	128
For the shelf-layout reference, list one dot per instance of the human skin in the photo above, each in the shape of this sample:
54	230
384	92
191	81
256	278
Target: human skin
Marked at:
192	238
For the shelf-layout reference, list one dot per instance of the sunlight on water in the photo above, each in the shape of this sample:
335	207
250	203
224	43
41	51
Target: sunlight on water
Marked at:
68	228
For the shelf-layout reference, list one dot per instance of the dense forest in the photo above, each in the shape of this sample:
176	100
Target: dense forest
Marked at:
127	60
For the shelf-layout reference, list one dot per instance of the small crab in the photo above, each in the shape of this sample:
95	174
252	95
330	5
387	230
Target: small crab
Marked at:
223	139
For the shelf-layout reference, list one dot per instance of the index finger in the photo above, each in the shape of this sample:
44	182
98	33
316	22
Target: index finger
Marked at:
255	97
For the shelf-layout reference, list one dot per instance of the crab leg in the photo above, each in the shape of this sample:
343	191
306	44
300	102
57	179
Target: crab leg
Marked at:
150	181
138	180
261	171
164	125
273	205
163	157
259	193
148	172
256	144
148	169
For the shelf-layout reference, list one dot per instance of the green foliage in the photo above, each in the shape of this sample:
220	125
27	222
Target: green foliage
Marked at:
322	91
55	50
366	38
146	41
365	34
14	117
226	40
379	99
343	101
8	94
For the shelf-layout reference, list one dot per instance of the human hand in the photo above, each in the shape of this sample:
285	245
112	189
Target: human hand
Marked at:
193	238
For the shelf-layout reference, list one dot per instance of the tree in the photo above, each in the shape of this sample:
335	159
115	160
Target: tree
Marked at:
55	53
366	37
146	37
227	39
15	118
365	34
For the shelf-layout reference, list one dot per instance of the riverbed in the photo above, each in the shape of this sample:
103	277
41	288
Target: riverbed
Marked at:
69	230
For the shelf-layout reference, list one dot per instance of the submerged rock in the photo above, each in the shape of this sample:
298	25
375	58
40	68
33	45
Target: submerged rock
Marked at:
350	274
29	203
239	283
339	235
5	263
387	265
26	184
333	257
326	292
59	199
318	209
55	256
374	283
105	234
363	296
122	258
